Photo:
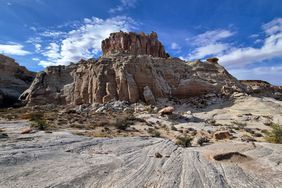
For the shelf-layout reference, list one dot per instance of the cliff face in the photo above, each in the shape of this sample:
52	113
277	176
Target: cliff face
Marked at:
135	44
14	79
130	77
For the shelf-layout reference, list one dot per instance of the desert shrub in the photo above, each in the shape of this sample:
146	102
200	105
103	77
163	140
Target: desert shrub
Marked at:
240	125
184	141
275	136
154	133
123	124
39	124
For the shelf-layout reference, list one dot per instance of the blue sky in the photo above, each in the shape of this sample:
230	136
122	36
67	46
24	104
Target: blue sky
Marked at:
245	34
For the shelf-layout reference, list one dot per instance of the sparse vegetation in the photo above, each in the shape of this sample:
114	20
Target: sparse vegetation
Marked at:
240	125
124	123
39	124
154	133
275	136
184	141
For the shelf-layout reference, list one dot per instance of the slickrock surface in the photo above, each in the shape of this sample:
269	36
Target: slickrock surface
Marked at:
127	77
14	80
60	159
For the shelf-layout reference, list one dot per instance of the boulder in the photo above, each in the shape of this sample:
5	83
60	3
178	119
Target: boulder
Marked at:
26	130
222	135
166	111
212	60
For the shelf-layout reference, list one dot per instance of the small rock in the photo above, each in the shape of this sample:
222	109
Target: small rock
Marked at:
166	111
26	130
222	135
3	135
247	138
158	155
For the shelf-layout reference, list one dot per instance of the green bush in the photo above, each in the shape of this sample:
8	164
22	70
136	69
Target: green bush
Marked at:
154	133
184	141
122	124
275	136
39	124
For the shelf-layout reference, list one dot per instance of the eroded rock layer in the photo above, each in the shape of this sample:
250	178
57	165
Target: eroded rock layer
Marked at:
14	79
132	43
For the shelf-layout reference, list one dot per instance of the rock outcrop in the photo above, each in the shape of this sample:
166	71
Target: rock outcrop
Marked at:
14	79
263	88
132	43
129	77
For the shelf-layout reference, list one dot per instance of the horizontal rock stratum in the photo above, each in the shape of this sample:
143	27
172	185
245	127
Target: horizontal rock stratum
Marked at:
134	67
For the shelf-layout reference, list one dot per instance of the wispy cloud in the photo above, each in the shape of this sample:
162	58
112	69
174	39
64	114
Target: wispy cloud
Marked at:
213	43
13	49
175	46
84	41
271	47
271	73
210	37
209	43
124	4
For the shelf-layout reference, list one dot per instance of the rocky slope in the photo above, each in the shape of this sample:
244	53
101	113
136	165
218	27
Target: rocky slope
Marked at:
263	88
133	68
61	159
14	80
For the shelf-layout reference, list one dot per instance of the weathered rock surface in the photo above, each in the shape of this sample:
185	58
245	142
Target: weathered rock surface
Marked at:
60	159
135	44
263	88
130	78
14	79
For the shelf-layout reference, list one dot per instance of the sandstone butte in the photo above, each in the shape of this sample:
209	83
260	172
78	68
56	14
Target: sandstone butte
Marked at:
134	67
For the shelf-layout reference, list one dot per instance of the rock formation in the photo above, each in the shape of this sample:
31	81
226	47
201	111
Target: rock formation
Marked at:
133	43
134	68
14	79
263	88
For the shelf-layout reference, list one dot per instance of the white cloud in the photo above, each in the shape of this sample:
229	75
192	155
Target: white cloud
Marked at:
175	46
210	37
272	74
211	43
208	44
271	47
85	41
13	49
35	59
124	4
53	34
208	50
37	47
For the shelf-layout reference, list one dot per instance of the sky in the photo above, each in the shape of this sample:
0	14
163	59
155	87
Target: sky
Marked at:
246	35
